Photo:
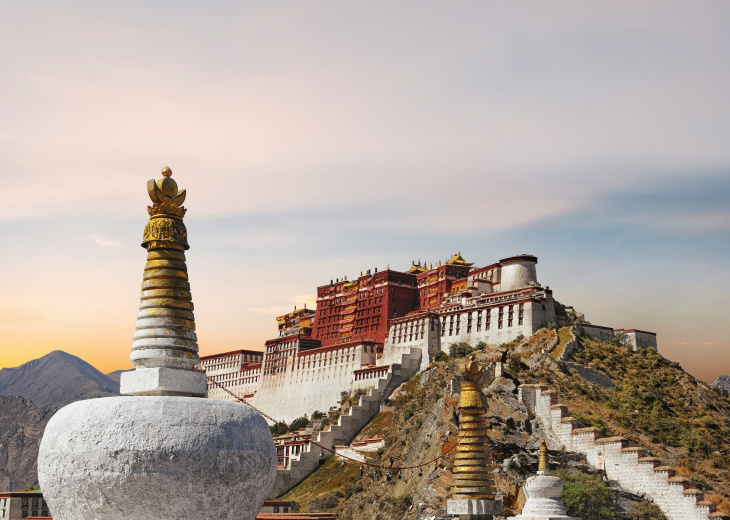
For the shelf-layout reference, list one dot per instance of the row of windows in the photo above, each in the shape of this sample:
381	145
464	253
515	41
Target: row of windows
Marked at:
487	322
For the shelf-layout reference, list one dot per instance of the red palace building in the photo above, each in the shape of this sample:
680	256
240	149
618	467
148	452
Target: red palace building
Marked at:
362	309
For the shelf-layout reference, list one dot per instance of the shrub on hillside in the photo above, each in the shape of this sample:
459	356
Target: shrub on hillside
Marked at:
460	350
299	423
646	511
586	496
278	429
441	356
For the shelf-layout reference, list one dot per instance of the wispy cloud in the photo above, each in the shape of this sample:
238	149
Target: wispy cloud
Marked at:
100	240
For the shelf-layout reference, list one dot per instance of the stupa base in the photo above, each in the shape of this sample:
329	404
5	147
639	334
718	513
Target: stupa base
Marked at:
474	509
163	381
155	458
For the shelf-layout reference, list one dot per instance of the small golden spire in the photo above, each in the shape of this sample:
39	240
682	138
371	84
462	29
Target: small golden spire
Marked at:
543	466
473	466
166	171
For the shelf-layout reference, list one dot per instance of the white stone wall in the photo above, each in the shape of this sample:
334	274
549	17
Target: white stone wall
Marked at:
535	315
627	465
241	383
422	332
310	382
641	339
598	332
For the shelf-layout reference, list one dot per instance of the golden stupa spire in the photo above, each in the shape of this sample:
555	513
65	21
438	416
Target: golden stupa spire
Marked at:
473	463
165	344
543	467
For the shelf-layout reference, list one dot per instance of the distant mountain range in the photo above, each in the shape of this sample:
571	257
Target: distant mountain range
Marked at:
56	380
29	395
722	383
114	376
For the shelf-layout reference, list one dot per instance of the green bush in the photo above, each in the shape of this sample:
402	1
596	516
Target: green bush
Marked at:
483	346
299	423
586	496
646	511
278	429
441	356
317	415
460	350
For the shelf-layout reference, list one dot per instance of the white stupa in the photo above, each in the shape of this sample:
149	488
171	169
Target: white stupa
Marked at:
543	494
162	451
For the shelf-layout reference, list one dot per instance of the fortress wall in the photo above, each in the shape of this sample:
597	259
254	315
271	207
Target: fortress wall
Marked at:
628	465
641	339
420	332
535	316
598	332
241	383
312	380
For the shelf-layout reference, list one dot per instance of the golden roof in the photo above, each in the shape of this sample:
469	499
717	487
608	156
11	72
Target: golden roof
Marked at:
458	260
416	268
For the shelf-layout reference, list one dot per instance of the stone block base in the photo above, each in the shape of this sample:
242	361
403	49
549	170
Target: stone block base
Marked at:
163	381
467	509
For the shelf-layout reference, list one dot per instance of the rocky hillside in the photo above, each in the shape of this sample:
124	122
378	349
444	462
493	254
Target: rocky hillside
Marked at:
649	399
641	395
21	429
56	380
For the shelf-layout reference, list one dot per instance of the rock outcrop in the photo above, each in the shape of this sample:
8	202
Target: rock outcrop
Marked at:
21	427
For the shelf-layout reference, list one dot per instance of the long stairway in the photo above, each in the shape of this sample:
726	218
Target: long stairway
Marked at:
348	425
632	467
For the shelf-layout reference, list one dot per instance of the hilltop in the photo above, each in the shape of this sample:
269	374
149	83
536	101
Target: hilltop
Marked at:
651	400
55	380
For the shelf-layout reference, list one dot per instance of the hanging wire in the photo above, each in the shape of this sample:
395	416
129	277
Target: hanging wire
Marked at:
325	448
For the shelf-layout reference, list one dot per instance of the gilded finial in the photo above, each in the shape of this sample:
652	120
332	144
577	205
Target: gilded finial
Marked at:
166	213
543	465
472	370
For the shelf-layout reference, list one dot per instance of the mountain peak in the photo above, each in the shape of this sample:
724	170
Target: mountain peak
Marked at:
55	380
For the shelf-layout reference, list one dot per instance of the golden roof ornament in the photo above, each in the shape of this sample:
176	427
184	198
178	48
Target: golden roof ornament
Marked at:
473	466
166	212
458	260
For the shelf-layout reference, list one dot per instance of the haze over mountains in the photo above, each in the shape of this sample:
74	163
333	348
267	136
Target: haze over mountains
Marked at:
56	380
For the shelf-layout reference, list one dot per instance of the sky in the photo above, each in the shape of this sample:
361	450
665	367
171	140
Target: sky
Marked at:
320	139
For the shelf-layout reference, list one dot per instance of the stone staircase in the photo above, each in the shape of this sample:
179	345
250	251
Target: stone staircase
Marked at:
632	467
348	425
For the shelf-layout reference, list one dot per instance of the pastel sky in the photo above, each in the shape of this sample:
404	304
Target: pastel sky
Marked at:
320	139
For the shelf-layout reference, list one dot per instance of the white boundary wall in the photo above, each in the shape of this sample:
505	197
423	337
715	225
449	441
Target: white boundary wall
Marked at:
629	466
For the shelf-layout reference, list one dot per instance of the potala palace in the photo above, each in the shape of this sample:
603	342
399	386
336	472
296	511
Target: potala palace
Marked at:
387	322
